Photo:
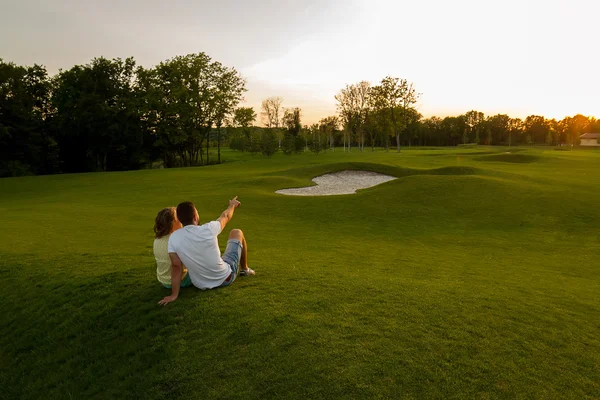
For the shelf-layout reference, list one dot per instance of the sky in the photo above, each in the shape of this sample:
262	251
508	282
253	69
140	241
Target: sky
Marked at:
514	57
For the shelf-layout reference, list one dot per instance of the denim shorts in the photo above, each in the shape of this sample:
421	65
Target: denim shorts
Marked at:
232	256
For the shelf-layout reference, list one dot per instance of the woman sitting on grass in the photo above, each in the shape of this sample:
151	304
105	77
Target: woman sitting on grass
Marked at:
166	223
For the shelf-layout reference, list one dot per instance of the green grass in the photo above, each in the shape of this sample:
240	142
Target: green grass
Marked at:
476	274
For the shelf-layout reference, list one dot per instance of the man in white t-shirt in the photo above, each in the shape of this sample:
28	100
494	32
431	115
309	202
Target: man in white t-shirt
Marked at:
196	247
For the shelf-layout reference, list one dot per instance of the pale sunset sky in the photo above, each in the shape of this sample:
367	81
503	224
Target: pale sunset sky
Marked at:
516	57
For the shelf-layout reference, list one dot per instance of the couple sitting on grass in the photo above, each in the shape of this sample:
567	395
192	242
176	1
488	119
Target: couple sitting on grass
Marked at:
187	254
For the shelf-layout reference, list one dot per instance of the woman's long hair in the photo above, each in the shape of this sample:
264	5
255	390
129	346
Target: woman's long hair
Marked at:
164	222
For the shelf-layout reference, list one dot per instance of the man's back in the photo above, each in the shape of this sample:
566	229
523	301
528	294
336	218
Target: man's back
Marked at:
198	249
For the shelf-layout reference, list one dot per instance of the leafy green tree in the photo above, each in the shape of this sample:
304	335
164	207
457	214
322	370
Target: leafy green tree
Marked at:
378	118
553	131
238	143
177	93
268	143
26	142
433	131
488	132
292	143
398	97
288	144
549	138
536	128
292	120
515	130
330	126
226	94
352	106
241	121
97	119
499	126
255	141
184	98
593	125
413	126
474	121
318	138
573	127
454	128
244	117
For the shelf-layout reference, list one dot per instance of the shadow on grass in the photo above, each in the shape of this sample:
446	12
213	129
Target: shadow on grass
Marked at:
398	172
86	336
510	158
302	177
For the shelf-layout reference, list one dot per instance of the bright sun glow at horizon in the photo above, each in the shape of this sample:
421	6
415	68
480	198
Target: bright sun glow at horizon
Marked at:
515	57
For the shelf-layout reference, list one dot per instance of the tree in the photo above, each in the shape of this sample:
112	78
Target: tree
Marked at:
268	143
318	138
474	121
377	121
271	112
454	128
413	130
244	117
179	99
553	132
177	107
255	140
536	129
184	98
593	125
226	94
433	131
573	127
347	110
549	138
352	105
242	120
515	130
97	120
499	126
398	97
291	120
329	125
26	142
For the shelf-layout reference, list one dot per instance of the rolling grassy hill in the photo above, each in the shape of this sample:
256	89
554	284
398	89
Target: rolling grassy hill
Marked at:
476	274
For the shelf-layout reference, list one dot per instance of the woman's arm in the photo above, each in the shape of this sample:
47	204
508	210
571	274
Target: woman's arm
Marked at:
176	269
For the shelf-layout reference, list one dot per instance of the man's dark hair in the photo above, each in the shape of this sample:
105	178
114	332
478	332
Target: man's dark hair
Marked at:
185	213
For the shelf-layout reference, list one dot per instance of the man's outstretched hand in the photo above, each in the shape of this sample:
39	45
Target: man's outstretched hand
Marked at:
228	214
234	202
167	300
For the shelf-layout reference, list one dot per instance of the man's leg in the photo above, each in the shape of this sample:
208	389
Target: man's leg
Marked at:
239	235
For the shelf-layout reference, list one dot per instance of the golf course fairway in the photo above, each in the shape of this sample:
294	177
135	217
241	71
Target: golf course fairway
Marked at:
475	274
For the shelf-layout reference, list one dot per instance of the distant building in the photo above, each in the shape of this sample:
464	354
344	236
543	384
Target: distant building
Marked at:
590	139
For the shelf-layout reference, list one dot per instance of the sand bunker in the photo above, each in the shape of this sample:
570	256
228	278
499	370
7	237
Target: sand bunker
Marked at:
344	182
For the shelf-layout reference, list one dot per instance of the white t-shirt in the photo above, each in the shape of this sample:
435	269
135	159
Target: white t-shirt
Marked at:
198	249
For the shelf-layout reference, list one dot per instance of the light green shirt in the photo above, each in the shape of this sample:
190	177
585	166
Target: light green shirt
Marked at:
163	261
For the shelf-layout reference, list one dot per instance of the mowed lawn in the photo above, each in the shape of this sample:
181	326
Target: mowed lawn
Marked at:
474	275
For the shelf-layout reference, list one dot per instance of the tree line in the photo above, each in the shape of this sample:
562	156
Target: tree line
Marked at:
113	115
385	115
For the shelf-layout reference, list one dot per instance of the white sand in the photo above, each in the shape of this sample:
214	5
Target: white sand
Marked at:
344	182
